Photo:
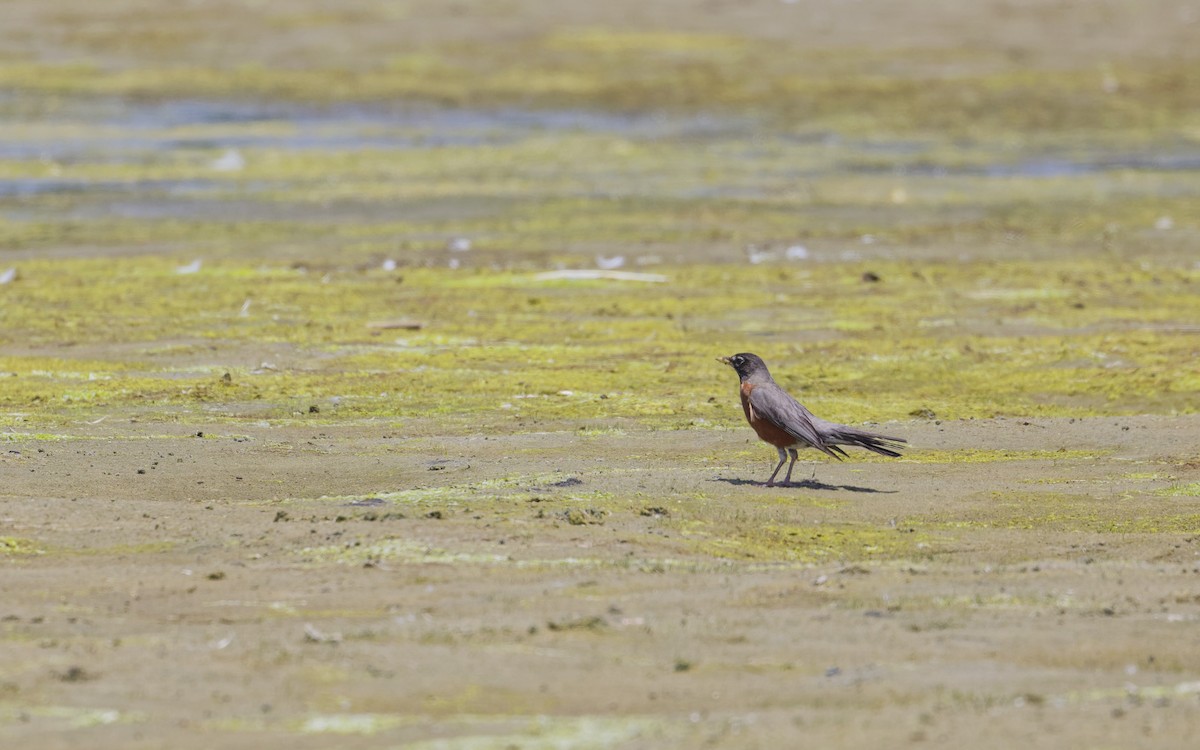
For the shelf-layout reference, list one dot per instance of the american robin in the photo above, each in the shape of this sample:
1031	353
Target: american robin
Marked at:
783	422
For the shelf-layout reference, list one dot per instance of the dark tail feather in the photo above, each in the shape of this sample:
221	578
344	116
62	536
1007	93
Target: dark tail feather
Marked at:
881	444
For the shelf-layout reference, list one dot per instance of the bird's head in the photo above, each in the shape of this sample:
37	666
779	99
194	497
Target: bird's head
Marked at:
746	364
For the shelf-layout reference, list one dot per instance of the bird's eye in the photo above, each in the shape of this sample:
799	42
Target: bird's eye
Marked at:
738	361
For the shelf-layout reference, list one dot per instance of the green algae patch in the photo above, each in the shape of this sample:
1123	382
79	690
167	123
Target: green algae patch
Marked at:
808	543
513	352
125	550
15	547
1056	511
43	437
1147	476
980	456
1190	489
69	717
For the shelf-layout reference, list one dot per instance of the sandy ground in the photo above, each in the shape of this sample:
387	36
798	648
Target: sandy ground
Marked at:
342	586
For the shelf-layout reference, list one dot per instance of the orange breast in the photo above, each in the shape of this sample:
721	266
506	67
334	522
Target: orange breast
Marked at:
767	430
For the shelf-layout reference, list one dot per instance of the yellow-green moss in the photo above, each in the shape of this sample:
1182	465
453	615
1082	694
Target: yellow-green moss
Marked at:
1044	511
145	548
70	717
811	544
975	456
1190	489
12	546
509	348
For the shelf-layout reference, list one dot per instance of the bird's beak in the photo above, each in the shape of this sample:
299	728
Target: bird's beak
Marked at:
726	360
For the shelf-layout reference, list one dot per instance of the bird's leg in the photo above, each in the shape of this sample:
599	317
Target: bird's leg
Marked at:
778	466
787	479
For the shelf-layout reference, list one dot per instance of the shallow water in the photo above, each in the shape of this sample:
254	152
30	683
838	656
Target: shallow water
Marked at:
1059	166
108	130
569	183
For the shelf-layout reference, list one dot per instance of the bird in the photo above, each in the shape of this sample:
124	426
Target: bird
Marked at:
783	421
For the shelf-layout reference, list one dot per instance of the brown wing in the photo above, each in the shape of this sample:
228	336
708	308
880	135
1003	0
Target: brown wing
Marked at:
771	402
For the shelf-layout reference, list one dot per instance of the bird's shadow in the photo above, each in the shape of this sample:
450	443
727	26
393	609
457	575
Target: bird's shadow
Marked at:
806	484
